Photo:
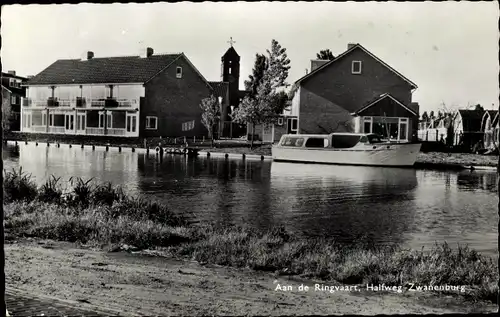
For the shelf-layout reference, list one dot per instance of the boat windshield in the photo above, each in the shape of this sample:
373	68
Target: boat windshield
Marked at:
292	141
344	141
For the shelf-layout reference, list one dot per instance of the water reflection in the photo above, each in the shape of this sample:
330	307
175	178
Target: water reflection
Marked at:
362	204
353	204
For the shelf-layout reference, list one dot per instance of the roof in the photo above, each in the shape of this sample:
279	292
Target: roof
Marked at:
220	88
3	87
7	75
380	98
471	119
100	70
492	114
354	47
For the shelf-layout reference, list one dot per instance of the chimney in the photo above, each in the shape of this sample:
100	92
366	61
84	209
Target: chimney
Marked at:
90	55
317	63
350	45
149	52
12	72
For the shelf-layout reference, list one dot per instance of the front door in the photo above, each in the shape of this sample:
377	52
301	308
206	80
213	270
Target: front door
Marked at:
81	123
291	126
131	125
69	122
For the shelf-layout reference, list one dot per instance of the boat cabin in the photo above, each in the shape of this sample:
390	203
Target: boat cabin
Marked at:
333	140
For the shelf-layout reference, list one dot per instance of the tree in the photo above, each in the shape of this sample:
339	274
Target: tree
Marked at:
268	101
431	115
325	55
6	113
425	117
479	108
255	79
211	114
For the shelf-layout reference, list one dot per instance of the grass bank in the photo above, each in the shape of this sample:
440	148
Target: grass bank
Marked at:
102	215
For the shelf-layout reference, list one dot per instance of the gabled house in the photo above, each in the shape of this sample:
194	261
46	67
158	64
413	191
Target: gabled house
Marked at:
490	128
467	128
355	92
132	96
14	91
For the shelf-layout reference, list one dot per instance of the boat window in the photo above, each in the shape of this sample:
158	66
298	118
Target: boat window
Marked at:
317	142
373	138
292	141
344	141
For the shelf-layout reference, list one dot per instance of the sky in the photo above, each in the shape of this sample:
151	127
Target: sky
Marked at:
449	49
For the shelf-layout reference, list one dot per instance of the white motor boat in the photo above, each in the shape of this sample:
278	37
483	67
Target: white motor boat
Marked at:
346	149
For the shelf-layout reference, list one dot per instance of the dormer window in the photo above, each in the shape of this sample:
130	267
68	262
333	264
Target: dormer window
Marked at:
356	67
179	72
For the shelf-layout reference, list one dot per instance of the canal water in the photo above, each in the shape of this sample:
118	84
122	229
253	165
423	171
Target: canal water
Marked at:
406	207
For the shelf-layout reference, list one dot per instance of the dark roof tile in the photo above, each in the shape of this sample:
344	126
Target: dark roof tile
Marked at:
127	69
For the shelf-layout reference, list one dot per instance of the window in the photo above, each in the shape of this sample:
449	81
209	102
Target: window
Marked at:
392	128
229	70
51	120
101	120
13	100
317	142
109	121
292	141
345	141
12	82
280	121
367	126
356	67
294	124
179	72
186	126
151	123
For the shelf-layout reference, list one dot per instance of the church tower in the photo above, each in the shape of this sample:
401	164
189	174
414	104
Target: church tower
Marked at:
231	73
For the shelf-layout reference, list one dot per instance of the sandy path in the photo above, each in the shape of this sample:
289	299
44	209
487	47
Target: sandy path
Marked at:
135	284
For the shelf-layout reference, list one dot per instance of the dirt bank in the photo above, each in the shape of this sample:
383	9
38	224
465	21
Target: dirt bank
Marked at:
138	284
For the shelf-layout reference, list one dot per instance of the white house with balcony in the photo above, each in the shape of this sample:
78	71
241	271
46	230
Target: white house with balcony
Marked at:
130	96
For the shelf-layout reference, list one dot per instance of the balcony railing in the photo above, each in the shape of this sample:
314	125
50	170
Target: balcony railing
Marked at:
38	128
64	102
96	131
81	102
115	131
57	130
128	103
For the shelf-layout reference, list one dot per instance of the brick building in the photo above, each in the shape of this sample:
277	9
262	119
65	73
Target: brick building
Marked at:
13	92
355	92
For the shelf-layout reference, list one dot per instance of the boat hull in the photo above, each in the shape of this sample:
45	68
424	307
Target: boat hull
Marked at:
400	155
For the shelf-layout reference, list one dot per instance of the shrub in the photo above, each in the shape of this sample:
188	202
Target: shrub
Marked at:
51	191
81	192
18	185
106	194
